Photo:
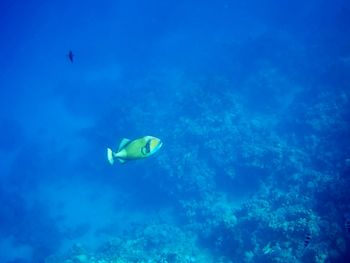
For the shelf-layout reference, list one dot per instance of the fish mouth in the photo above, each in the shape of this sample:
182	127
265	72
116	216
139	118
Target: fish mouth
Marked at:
159	145
156	144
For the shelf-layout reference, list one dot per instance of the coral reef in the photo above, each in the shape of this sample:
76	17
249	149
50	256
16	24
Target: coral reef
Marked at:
152	243
247	186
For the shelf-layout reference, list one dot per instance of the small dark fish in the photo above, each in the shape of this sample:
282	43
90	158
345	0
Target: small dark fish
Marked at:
307	240
347	225
70	56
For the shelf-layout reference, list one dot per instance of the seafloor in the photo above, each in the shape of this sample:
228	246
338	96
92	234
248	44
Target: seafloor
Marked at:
236	181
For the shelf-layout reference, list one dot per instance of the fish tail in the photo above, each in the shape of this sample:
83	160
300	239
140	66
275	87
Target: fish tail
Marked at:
110	156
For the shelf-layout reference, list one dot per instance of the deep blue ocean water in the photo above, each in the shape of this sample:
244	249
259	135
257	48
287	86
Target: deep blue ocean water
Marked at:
251	100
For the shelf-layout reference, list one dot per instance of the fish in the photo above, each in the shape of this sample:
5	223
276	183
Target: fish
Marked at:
70	56
134	149
347	223
268	249
307	240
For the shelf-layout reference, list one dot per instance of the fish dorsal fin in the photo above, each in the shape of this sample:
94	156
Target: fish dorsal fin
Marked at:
123	143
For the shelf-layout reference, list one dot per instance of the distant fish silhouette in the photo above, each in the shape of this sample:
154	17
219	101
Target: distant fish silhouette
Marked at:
307	240
70	56
347	223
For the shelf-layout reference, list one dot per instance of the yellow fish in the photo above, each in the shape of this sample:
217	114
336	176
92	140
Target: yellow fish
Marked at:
134	149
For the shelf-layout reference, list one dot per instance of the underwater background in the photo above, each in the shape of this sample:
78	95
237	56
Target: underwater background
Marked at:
251	100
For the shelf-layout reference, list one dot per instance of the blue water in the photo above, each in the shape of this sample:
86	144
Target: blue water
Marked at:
251	100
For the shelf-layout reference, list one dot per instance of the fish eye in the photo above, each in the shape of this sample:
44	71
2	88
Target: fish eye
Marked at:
148	147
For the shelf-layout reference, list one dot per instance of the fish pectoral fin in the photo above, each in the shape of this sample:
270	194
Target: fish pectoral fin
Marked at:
123	142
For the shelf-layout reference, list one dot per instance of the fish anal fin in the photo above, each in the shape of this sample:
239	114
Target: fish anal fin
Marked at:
122	161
